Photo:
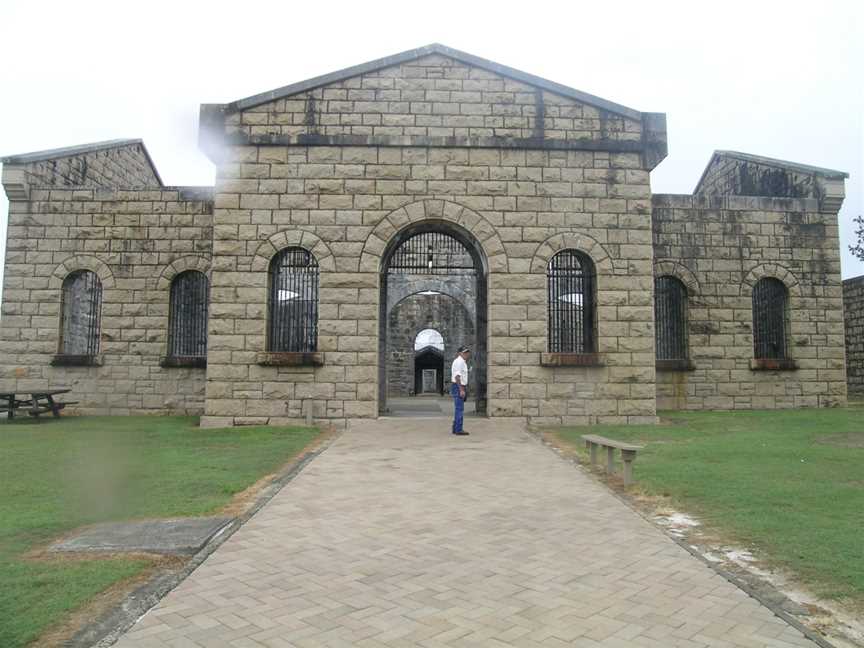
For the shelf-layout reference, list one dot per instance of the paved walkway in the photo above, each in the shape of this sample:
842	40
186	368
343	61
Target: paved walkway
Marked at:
425	406
402	535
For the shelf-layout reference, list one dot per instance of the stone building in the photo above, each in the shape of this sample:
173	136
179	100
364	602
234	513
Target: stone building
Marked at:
853	313
428	190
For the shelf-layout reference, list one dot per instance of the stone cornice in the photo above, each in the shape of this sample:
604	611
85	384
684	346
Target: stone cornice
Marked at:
15	182
833	194
652	147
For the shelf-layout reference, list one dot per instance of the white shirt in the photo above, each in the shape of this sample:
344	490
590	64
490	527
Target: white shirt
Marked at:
459	368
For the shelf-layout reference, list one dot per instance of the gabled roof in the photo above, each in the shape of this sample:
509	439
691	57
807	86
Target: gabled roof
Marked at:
80	149
831	174
414	54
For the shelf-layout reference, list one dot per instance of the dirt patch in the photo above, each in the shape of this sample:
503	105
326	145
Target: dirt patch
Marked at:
845	440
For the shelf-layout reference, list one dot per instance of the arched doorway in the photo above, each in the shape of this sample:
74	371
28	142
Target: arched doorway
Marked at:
425	266
429	362
428	371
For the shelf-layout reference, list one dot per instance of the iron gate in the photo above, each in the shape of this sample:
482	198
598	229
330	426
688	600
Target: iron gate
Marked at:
433	253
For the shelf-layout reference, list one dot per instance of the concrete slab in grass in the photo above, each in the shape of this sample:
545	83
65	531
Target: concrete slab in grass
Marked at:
171	536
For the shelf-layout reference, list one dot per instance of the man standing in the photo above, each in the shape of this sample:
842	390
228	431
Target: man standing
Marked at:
459	377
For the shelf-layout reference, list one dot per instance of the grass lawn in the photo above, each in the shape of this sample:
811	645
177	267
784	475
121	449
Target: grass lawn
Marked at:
789	483
59	475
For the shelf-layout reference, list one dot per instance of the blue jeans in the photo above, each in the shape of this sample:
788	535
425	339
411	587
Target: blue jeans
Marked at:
458	407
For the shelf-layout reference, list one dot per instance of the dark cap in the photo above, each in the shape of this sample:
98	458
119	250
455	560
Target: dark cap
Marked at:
463	349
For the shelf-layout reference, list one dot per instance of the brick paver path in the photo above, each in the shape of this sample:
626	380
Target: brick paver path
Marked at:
402	535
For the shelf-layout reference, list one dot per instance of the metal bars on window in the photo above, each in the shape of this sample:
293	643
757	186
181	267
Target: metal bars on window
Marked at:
81	309
670	318
187	318
570	279
293	302
431	253
769	319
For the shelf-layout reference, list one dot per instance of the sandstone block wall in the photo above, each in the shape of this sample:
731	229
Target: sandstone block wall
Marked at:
719	247
135	241
111	166
345	203
341	166
726	176
433	96
853	313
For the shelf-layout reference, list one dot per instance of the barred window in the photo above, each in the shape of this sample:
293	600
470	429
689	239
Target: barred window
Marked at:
293	302
769	319
187	316
80	312
570	279
670	318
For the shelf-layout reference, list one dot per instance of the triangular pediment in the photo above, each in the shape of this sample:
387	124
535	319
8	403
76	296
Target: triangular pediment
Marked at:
732	173
433	53
120	163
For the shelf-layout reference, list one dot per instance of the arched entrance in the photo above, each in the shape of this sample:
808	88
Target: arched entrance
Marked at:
429	371
429	362
433	274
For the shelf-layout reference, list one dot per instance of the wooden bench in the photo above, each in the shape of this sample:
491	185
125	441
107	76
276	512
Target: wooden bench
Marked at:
628	454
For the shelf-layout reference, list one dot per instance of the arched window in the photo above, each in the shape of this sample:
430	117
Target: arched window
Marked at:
670	318
293	302
570	276
769	319
187	317
80	312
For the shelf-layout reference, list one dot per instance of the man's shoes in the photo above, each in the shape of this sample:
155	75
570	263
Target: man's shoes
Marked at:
461	433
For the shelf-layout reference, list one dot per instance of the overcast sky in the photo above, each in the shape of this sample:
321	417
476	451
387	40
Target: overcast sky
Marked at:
782	79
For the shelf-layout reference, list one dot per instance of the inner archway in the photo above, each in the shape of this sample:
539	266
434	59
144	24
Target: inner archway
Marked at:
433	279
428	361
428	372
429	337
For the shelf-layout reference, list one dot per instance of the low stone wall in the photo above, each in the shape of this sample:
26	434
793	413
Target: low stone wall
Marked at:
853	319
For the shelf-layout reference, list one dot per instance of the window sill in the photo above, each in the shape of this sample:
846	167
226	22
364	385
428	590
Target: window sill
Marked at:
675	365
773	364
74	360
170	362
571	360
290	359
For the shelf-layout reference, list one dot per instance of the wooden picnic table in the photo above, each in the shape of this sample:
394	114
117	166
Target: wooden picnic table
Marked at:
40	402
